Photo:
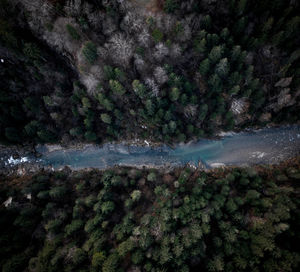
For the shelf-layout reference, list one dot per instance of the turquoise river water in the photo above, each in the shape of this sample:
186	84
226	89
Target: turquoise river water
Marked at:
269	145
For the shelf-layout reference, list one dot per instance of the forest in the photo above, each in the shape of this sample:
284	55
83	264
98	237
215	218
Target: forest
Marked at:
169	71
124	219
75	72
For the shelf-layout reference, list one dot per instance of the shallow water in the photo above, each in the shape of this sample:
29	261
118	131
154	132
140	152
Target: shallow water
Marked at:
270	145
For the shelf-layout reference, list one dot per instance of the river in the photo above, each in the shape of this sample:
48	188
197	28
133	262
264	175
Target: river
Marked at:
264	146
270	145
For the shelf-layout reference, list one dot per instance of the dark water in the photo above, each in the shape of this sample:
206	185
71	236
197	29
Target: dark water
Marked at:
269	145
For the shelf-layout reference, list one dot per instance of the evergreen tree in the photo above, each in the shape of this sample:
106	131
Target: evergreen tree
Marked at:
215	54
116	87
204	67
89	51
105	118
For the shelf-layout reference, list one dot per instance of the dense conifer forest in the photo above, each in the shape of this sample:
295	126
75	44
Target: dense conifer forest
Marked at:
164	71
126	219
169	70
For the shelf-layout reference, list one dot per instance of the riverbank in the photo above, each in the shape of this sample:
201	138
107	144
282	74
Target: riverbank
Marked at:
264	146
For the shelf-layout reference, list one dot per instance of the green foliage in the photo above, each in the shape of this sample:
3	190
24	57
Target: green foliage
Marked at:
215	54
47	136
170	6
174	94
116	87
58	192
105	118
151	177
222	217
72	32
204	67
136	195
139	88
90	136
157	35
97	260
89	51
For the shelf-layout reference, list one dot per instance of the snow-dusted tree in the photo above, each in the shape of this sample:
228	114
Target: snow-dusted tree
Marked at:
167	23
161	51
144	38
160	75
222	67
186	34
60	39
153	87
175	51
90	82
132	23
109	26
139	64
121	49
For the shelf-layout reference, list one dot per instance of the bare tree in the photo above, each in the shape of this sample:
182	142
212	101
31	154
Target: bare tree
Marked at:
190	110
132	23
175	51
121	49
153	87
160	75
144	38
161	51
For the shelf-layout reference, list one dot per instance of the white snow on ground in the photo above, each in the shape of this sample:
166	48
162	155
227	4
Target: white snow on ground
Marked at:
13	161
217	165
226	134
258	154
7	202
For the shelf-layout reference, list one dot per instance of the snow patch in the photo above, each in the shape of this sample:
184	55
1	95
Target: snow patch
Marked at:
258	154
28	196
13	161
226	134
7	202
217	165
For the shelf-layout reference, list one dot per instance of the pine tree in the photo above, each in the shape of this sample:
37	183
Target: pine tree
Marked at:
139	88
204	67
89	51
174	94
116	87
235	53
72	32
215	54
105	118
